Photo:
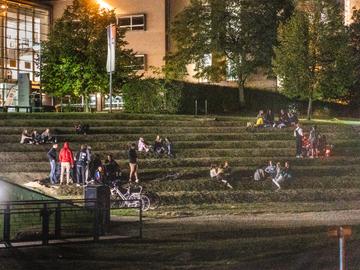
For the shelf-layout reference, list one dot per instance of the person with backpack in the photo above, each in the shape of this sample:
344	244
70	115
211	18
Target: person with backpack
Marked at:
52	156
81	163
298	134
66	159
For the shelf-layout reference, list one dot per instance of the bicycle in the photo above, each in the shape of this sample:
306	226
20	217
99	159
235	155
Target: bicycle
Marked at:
129	199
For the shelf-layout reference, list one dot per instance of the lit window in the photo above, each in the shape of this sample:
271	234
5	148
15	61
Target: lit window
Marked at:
133	22
12	63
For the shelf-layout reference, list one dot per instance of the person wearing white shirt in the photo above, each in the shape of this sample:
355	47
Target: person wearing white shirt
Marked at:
298	134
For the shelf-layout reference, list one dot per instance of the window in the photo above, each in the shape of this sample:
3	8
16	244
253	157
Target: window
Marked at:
27	65
140	62
133	22
13	63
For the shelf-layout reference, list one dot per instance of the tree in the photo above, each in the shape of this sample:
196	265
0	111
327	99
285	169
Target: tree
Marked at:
237	34
74	56
313	59
354	93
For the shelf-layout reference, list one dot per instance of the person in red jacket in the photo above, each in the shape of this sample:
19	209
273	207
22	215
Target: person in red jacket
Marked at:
66	159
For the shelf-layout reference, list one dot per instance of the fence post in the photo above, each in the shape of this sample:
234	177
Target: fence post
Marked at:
96	222
140	221
196	107
206	107
45	224
58	221
6	236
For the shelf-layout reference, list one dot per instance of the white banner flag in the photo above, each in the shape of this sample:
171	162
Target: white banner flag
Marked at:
111	36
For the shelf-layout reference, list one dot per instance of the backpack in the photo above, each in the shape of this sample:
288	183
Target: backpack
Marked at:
82	159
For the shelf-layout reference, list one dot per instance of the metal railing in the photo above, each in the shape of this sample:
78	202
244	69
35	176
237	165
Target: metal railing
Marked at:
47	220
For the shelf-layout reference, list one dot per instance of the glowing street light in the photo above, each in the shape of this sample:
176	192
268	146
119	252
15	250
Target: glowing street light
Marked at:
104	5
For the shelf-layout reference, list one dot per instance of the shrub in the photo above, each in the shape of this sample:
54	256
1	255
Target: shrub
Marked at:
151	96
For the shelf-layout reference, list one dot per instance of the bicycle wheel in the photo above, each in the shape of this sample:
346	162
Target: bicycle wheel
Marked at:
154	199
116	201
134	200
145	202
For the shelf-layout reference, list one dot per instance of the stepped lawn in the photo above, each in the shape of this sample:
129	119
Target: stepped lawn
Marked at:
318	185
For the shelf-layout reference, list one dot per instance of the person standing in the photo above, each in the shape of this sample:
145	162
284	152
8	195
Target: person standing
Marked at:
66	159
87	170
133	163
298	134
52	155
81	163
313	138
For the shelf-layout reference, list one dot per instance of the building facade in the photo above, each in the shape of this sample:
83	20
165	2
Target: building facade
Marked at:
24	24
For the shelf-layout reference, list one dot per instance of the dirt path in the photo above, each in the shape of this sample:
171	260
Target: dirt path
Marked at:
278	220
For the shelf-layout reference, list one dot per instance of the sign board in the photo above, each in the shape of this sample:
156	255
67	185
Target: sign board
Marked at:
337	232
24	86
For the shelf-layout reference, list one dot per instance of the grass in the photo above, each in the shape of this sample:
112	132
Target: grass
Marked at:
199	142
181	234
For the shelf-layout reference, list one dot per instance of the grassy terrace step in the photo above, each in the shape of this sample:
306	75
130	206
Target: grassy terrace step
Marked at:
267	152
239	161
260	136
179	145
251	196
280	153
130	127
191	173
54	123
298	182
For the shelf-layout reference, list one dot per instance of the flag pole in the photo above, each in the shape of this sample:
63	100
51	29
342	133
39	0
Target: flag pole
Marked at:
111	33
110	87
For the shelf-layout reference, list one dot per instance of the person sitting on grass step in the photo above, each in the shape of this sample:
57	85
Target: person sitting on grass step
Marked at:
26	137
217	173
282	174
143	146
271	169
260	119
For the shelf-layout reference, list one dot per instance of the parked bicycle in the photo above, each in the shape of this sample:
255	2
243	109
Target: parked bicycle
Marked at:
129	198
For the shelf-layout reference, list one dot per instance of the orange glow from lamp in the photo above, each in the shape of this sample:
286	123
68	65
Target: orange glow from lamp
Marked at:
104	5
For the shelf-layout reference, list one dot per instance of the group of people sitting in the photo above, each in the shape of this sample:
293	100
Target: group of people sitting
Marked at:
159	148
37	138
81	168
221	173
276	173
285	119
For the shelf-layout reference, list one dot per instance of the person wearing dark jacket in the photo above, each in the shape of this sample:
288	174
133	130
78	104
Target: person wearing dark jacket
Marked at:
81	163
52	155
112	169
66	159
133	163
269	118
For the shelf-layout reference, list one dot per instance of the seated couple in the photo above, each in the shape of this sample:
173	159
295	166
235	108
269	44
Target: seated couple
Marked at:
277	173
221	172
161	146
